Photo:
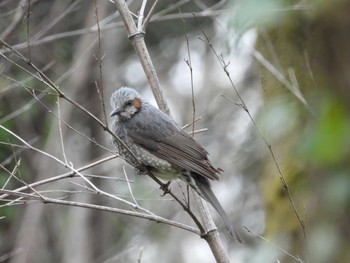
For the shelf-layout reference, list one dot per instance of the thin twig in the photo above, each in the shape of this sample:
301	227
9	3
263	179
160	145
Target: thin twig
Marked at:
273	244
242	104
93	29
21	148
12	173
98	176
149	16
127	181
277	74
67	125
191	123
189	64
69	166
62	176
199	131
152	217
60	128
100	87
27	29
57	18
17	19
182	204
112	196
91	187
141	15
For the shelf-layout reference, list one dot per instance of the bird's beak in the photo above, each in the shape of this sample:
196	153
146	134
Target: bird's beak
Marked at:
115	112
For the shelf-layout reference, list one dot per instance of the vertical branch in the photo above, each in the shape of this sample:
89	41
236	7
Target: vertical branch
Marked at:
27	30
60	129
212	237
189	64
100	87
137	39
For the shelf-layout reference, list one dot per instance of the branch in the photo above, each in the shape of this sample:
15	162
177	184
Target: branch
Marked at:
62	176
137	39
152	217
297	259
100	58
242	104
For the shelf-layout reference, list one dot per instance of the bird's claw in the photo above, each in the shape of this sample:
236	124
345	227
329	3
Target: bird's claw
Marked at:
165	188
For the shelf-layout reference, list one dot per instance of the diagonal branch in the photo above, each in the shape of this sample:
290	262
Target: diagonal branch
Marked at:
242	104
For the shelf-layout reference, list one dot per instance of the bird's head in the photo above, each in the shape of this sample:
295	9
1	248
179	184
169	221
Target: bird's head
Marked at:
126	102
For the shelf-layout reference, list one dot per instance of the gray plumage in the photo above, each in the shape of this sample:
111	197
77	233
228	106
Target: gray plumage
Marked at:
162	146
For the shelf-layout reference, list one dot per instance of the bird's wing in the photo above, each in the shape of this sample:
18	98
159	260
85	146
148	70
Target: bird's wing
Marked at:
158	133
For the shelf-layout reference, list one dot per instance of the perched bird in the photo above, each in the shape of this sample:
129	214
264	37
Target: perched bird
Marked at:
162	146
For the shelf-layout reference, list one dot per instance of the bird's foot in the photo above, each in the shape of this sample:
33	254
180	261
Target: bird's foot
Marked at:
165	187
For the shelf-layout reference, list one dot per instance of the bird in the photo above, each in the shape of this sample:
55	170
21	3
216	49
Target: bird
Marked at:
148	136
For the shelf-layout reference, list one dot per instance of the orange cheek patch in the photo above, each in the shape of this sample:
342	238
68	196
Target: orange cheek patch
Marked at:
137	104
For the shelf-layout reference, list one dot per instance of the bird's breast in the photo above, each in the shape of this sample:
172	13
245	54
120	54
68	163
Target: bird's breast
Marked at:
129	150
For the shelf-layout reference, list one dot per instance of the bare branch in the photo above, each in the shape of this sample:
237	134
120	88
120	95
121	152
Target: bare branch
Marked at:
297	259
159	17
62	176
137	39
242	104
69	166
18	17
141	15
100	58
12	173
149	16
127	181
60	129
60	120
47	200
189	64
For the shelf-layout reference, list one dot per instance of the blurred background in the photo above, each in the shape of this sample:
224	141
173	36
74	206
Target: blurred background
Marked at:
289	62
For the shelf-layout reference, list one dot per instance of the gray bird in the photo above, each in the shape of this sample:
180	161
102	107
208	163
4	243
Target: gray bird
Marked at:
162	146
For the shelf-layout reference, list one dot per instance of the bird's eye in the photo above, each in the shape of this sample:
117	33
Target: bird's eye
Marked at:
128	103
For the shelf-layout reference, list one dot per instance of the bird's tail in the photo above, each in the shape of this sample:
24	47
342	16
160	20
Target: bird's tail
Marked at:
205	191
